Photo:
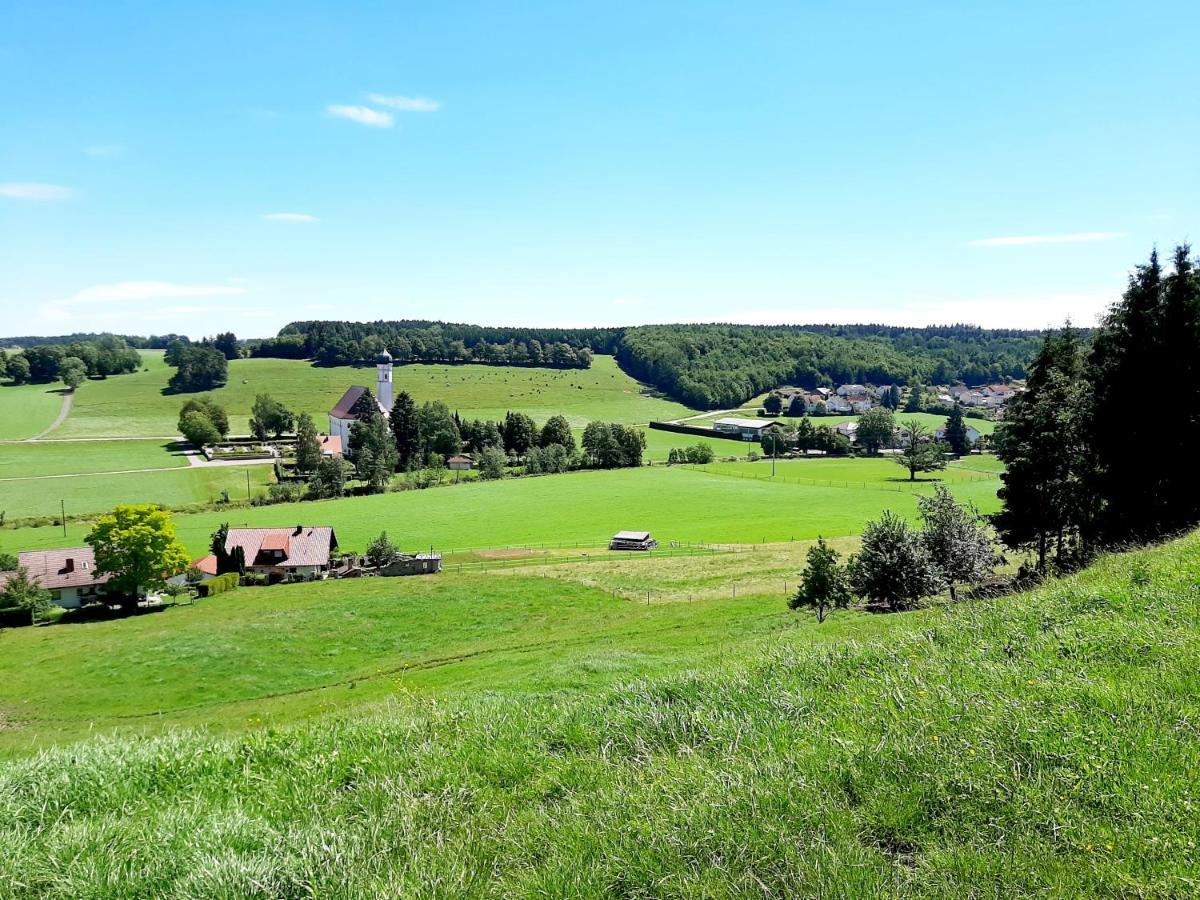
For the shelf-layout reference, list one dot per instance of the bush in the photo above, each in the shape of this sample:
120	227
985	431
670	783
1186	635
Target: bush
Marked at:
219	585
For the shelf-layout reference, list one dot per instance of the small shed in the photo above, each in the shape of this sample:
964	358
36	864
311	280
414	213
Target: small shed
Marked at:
632	540
416	564
461	463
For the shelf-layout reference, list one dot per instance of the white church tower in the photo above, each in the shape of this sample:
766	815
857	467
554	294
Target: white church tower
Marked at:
383	382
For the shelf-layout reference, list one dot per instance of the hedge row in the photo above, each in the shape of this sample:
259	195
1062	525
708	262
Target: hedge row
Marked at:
218	585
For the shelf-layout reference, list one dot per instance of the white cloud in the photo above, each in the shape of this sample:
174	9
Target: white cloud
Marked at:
363	115
290	217
133	291
33	191
1083	237
405	104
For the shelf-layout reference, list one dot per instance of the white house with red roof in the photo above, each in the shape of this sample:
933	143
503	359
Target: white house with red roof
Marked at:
68	574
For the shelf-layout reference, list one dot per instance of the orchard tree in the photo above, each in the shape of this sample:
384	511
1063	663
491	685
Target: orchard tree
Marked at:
875	429
824	584
137	546
920	452
959	541
894	566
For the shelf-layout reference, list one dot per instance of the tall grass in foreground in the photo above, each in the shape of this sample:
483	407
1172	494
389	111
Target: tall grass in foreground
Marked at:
1047	743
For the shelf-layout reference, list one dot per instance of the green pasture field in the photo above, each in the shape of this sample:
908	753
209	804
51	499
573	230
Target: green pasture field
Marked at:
258	656
879	471
28	409
86	494
660	443
521	736
134	405
585	507
68	457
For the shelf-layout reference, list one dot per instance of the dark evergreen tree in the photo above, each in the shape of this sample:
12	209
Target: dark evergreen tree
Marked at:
956	432
406	432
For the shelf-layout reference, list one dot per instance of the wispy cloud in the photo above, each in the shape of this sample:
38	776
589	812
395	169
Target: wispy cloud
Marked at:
405	104
363	115
1083	237
33	191
131	291
303	218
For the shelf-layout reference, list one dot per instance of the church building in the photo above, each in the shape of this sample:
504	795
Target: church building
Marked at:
351	407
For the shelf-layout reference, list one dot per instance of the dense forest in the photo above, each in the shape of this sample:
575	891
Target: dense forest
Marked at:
153	342
348	343
713	366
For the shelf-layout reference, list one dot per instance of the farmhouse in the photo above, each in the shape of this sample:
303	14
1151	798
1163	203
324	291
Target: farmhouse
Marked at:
69	575
300	552
748	429
352	406
632	540
460	463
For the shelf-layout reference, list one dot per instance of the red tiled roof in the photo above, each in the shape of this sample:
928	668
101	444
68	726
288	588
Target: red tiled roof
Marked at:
206	564
305	545
56	569
332	444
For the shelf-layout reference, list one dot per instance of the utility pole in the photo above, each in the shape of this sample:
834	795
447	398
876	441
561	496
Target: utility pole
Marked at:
247	485
62	504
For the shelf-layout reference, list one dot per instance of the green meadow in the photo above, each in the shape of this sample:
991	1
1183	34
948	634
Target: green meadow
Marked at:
43	458
135	405
27	410
529	735
579	507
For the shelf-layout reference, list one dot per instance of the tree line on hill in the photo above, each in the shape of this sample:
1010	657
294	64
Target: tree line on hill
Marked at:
70	363
717	366
356	343
1088	466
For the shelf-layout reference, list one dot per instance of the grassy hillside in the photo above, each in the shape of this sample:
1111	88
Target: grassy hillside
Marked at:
28	409
1041	744
134	405
585	507
274	656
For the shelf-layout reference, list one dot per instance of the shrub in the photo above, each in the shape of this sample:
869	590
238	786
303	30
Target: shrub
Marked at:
219	585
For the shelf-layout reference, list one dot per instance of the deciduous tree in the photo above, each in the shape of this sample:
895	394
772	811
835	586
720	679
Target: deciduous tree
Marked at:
959	541
919	451
824	584
894	566
137	546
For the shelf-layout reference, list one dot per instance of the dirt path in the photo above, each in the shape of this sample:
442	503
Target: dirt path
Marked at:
63	412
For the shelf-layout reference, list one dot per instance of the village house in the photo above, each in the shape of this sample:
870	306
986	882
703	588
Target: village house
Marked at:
460	463
331	446
847	389
299	552
838	404
69	575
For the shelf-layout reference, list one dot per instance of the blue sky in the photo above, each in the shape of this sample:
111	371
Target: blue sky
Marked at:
586	163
